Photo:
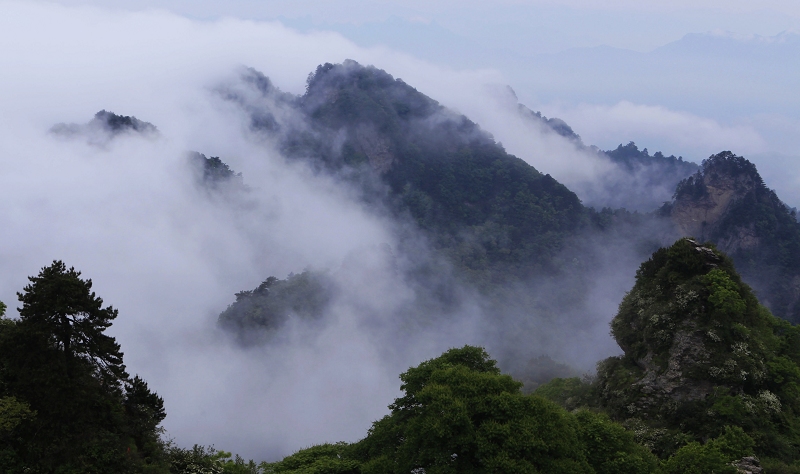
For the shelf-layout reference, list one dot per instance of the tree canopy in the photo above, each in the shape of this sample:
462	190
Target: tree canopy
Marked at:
66	402
459	414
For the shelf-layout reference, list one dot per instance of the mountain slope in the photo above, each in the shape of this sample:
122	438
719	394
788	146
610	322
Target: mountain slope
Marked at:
727	202
492	213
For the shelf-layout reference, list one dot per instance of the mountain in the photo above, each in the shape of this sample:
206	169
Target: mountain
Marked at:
490	216
495	229
104	127
700	354
490	212
727	202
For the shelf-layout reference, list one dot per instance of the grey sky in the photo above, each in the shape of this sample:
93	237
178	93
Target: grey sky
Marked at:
542	25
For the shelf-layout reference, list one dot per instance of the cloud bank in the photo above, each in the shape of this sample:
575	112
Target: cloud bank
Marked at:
170	256
129	215
659	128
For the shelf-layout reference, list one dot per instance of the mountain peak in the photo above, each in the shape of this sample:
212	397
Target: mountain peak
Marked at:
104	126
705	198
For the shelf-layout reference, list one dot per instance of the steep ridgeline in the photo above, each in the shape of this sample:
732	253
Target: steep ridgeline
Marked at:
662	170
631	157
491	213
726	202
626	177
700	354
640	181
554	123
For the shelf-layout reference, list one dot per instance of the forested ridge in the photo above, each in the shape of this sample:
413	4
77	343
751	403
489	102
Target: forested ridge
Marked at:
493	219
492	214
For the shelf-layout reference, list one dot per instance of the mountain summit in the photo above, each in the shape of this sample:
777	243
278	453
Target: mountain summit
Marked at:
727	202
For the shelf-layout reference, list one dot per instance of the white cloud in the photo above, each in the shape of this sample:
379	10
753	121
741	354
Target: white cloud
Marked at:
129	216
658	128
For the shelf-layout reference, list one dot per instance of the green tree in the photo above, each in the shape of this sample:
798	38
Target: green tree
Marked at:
58	304
90	417
459	414
321	459
610	448
716	456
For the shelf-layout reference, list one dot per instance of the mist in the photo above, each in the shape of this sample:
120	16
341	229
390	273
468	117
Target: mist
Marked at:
129	213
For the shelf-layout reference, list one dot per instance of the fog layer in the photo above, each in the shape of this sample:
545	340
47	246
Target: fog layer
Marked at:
129	213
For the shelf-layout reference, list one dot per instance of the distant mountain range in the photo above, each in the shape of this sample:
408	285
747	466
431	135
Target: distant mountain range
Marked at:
491	221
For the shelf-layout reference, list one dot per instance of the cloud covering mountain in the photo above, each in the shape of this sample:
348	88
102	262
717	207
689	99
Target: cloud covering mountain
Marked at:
170	256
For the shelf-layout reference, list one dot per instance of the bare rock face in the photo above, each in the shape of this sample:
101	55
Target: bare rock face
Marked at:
748	465
727	203
703	200
376	147
672	384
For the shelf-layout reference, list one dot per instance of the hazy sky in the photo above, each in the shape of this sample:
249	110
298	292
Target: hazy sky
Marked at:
659	98
544	25
129	216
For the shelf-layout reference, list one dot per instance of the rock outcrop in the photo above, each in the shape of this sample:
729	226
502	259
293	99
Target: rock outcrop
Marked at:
699	350
104	127
726	202
749	465
704	199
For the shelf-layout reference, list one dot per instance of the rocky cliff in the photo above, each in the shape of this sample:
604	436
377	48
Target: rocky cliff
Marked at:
700	353
727	202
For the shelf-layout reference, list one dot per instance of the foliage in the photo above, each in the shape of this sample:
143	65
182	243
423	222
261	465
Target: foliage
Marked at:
700	356
760	232
67	402
215	172
12	413
274	301
631	157
60	306
610	448
656	170
108	124
716	456
570	393
320	459
119	123
207	460
459	414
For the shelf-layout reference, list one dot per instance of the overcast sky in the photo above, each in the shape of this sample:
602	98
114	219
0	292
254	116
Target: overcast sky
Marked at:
545	25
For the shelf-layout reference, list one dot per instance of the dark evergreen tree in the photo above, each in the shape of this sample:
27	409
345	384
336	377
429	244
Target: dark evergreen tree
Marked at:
60	306
81	412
